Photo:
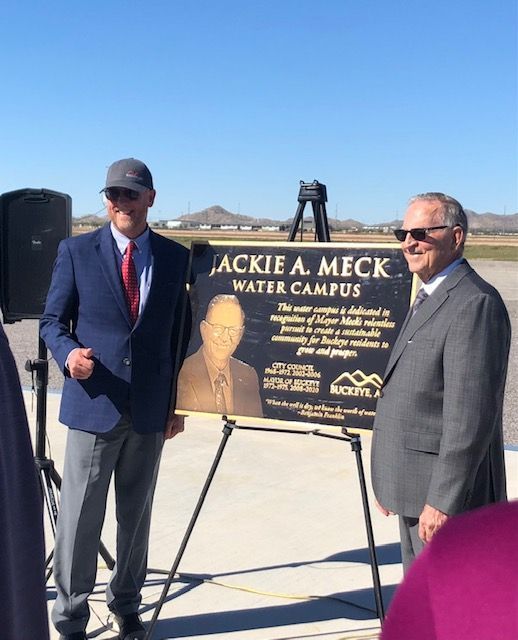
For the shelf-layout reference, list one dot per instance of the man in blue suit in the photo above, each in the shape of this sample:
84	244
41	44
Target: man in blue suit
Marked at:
111	322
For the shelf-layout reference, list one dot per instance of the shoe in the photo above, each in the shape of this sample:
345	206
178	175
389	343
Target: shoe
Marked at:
78	635
130	626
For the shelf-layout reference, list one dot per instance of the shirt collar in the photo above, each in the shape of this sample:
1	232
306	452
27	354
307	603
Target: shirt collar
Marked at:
122	241
213	371
434	282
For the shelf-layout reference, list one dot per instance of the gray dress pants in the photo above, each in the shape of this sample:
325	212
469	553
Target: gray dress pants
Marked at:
90	461
411	543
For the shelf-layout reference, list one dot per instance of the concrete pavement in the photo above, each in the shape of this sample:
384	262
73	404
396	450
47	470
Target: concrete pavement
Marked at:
279	551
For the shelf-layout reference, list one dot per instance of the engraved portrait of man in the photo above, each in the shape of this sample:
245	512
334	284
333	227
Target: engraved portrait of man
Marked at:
211	380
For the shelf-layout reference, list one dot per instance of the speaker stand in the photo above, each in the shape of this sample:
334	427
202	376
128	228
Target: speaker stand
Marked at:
49	478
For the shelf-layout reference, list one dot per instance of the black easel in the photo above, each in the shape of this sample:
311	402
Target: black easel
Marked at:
227	432
356	447
229	426
48	476
316	193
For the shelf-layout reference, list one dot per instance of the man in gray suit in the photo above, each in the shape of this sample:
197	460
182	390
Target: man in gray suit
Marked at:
437	446
211	380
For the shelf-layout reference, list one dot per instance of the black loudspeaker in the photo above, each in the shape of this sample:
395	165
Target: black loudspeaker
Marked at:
32	224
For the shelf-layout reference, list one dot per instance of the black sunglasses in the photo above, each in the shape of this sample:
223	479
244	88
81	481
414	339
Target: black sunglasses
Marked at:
419	233
115	193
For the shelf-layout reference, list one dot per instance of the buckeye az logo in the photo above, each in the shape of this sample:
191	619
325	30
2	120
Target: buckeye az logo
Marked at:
357	384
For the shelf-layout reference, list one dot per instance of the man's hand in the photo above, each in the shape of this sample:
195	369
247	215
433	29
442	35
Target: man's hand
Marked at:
80	364
430	521
381	508
174	425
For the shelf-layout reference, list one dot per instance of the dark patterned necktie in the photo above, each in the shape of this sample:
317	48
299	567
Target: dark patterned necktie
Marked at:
221	405
130	282
419	299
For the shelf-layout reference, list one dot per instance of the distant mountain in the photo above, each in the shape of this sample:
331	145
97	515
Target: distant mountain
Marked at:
217	215
90	221
492	221
394	224
341	225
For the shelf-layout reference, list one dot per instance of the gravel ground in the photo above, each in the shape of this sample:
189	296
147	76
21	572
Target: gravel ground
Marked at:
23	337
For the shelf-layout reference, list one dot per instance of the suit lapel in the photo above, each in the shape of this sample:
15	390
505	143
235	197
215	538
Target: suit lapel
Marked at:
201	381
110	268
414	322
158	266
157	279
239	400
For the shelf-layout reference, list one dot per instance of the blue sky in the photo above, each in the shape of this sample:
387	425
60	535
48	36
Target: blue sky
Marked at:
232	102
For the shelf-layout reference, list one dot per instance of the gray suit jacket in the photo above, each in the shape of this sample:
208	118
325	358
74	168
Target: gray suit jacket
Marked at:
195	390
438	429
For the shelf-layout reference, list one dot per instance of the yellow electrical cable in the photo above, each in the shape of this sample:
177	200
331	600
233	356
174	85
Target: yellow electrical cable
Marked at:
285	596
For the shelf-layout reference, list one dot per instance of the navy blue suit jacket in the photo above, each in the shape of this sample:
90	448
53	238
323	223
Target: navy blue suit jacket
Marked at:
134	366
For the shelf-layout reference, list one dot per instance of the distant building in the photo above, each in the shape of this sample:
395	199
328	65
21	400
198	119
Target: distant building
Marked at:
165	224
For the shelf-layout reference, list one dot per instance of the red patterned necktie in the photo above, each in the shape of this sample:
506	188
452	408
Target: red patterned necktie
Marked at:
130	282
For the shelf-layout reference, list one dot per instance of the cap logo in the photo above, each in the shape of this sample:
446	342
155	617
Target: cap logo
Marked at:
133	174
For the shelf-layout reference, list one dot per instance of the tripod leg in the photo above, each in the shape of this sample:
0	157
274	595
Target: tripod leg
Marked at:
227	431
47	563
106	556
56	478
321	224
298	220
357	448
49	496
46	470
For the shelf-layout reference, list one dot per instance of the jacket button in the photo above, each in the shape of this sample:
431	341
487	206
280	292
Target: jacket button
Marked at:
126	361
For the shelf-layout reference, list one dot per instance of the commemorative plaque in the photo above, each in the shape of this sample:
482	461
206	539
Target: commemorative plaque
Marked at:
292	331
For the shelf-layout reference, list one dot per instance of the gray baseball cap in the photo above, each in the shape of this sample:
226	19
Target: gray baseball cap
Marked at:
129	173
